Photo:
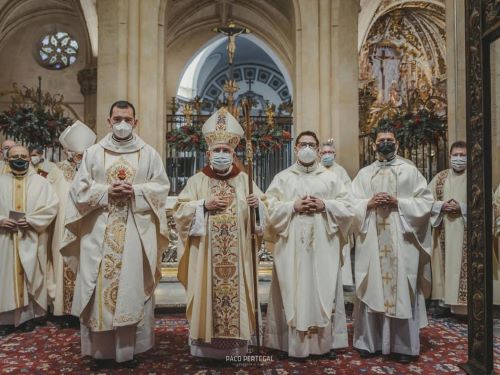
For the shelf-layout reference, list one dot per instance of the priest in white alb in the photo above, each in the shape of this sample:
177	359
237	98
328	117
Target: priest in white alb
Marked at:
116	232
449	235
60	278
215	267
393	251
328	155
28	205
309	218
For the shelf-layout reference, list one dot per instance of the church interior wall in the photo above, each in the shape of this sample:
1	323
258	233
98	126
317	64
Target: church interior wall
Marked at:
19	65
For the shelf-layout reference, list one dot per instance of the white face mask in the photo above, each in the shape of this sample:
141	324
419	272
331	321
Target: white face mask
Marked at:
35	160
307	155
328	159
122	130
458	163
221	161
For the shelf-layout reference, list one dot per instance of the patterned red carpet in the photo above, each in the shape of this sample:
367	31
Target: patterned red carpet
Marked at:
50	350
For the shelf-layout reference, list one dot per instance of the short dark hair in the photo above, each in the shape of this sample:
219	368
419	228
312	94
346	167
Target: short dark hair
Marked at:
123	104
458	144
384	127
37	149
309	133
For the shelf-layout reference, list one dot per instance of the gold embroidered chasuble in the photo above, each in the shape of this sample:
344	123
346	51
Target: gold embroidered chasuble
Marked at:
60	277
116	245
449	237
393	246
385	181
216	266
23	257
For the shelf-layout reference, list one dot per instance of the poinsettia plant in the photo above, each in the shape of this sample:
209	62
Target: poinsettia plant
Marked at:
413	129
34	117
32	125
190	138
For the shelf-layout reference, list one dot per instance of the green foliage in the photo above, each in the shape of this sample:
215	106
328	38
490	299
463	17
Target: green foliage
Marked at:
190	138
33	125
413	129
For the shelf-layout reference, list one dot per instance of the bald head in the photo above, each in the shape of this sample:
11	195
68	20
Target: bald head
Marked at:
19	152
6	145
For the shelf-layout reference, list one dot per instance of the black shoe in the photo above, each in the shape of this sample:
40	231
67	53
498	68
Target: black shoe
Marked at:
330	355
366	354
441	312
404	358
28	326
132	364
98	364
282	355
69	321
6	330
299	359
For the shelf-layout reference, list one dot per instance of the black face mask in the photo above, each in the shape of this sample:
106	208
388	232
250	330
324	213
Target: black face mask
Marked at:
387	150
19	165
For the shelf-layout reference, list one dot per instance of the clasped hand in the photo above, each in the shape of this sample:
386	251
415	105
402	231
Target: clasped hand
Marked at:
309	205
451	207
382	199
121	190
13	226
220	203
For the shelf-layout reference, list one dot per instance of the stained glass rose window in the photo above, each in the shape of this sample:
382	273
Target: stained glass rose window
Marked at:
58	50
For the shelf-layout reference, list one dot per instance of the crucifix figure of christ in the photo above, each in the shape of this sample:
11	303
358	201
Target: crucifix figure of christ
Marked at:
231	31
382	59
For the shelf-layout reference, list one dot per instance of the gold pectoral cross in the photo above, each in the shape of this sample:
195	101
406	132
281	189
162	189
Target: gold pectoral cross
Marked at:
389	305
387	278
384	224
386	250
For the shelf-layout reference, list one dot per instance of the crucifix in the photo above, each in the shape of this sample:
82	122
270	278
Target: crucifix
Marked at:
382	59
231	31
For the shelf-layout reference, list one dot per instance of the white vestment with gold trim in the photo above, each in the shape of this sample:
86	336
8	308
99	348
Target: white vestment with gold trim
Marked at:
392	258
23	254
115	246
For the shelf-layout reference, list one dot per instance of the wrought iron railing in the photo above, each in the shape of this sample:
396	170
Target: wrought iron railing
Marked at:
182	164
430	158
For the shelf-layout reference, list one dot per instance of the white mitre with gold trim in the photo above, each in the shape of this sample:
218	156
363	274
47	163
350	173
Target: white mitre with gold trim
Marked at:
77	137
222	128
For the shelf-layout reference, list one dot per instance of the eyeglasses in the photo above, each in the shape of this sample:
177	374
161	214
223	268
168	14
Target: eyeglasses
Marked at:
307	144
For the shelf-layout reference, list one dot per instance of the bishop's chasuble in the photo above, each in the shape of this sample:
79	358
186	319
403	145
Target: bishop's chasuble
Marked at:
449	241
23	254
215	265
392	262
116	246
306	288
60	277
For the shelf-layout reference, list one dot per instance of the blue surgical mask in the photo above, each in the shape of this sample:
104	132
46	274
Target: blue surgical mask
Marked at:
328	159
221	161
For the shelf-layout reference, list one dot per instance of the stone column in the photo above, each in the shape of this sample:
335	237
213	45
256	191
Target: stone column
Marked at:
87	78
326	74
131	64
455	69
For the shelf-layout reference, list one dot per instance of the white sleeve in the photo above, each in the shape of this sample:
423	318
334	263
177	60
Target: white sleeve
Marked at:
198	224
